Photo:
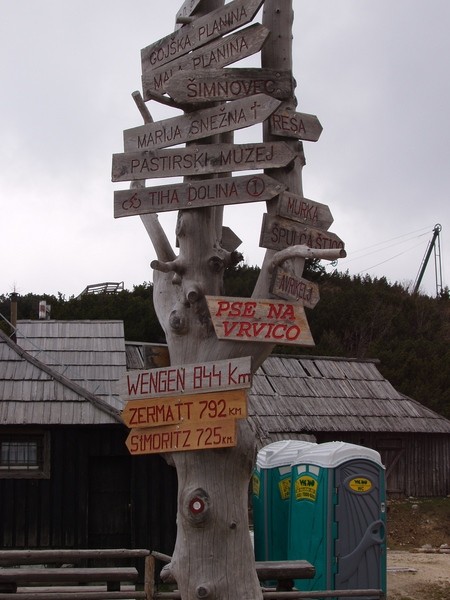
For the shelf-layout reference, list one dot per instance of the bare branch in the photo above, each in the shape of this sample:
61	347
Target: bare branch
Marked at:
137	97
302	251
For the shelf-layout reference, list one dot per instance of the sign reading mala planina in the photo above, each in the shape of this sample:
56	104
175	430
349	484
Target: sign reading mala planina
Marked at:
220	53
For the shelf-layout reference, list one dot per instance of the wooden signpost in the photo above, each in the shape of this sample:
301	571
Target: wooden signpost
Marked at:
186	409
278	233
193	194
255	320
186	10
216	85
176	438
289	286
237	114
295	125
205	29
220	53
200	160
228	374
294	207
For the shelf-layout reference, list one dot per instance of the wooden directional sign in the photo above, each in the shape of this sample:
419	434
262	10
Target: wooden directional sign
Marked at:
278	233
220	53
193	194
230	241
200	124
297	208
203	30
232	373
215	85
200	160
176	438
187	9
190	408
297	289
296	125
251	320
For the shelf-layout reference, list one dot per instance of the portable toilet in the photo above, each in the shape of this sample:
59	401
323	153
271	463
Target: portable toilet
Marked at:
271	486
337	517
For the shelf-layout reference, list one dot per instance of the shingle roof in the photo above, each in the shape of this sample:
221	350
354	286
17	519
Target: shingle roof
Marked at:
294	395
62	372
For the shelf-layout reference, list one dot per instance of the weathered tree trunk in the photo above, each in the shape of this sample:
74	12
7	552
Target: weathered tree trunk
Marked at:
213	556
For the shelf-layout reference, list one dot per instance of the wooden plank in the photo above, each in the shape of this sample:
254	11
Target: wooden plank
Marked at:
278	233
217	23
237	114
223	52
250	320
198	378
286	569
300	126
193	194
302	210
101	595
177	438
216	85
25	557
288	286
37	575
200	160
230	241
187	9
186	409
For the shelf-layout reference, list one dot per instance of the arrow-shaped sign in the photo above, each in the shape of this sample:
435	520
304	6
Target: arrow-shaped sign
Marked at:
220	53
194	194
297	208
200	160
300	126
289	286
278	233
215	85
200	124
205	29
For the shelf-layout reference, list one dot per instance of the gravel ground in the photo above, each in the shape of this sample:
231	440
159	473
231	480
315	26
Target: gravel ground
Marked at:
418	576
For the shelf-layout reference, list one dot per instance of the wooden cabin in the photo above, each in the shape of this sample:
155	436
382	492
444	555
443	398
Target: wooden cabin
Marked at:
66	477
340	399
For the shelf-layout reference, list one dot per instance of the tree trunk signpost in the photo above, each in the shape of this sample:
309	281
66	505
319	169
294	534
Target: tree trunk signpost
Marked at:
194	411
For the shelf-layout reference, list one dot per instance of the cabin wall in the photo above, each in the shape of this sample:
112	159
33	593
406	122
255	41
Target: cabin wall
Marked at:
416	464
97	496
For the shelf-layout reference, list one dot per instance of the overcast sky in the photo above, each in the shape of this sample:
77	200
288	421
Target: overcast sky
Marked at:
375	72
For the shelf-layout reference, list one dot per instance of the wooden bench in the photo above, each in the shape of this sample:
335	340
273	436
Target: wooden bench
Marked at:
64	581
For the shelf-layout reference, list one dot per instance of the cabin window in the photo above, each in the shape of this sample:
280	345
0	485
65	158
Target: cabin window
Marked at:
24	455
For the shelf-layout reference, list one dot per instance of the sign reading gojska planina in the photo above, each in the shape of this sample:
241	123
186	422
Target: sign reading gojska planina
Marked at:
220	53
198	378
183	437
204	29
278	233
217	85
255	320
190	408
200	160
200	124
193	194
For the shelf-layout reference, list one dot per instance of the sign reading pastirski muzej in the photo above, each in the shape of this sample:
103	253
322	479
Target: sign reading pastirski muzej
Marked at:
193	194
204	29
200	160
237	114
